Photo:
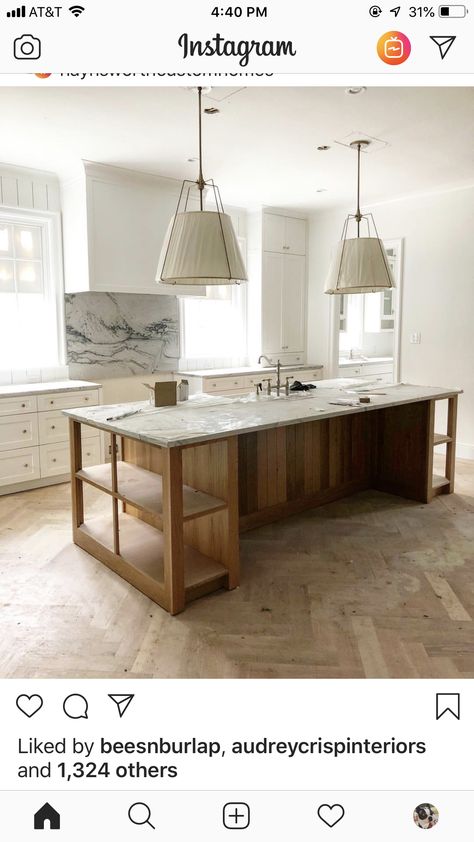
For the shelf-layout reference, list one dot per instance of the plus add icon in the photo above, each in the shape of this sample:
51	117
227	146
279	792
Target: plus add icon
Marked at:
236	815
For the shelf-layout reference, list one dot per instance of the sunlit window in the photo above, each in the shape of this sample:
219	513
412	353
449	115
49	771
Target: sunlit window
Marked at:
30	290
215	328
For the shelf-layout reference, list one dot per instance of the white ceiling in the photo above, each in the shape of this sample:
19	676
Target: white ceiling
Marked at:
261	147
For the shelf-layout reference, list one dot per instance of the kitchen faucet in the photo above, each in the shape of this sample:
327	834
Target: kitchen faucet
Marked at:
264	357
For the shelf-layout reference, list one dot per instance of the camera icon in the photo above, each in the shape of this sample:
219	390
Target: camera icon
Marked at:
27	47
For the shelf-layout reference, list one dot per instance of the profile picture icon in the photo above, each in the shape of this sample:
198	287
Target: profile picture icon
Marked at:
425	816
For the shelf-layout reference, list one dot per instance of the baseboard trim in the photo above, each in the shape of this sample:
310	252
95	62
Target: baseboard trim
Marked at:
465	451
35	483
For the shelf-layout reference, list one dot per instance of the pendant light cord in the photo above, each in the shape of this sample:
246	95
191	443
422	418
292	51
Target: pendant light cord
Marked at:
201	183
358	213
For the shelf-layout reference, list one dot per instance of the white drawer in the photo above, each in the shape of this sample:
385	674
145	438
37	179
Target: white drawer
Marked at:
54	427
223	384
380	368
17	431
17	406
67	400
19	466
382	378
55	458
350	371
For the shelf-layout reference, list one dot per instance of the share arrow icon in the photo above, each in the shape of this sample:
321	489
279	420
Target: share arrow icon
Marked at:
444	43
122	701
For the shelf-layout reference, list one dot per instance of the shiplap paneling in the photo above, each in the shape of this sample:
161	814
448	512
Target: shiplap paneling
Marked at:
29	189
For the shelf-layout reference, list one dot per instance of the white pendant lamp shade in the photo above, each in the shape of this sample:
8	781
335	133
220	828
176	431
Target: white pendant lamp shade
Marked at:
201	247
360	265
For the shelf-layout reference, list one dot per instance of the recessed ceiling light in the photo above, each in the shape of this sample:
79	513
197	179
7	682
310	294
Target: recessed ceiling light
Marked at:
322	190
354	91
211	110
323	148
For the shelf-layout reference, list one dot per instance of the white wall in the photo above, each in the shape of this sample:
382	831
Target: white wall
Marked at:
438	291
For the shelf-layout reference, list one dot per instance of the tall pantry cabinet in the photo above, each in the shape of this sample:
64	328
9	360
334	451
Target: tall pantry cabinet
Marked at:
278	286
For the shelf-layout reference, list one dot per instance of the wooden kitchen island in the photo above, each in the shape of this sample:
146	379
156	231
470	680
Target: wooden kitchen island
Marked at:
189	478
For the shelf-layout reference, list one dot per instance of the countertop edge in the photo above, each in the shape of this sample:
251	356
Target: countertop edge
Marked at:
48	388
197	439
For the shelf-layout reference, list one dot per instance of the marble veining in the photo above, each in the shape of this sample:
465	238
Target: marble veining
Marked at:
118	334
209	417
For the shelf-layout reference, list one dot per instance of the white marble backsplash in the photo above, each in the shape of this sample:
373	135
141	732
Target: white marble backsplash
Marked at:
118	334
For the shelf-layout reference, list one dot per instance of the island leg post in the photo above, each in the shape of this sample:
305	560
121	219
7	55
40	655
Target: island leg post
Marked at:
77	495
173	529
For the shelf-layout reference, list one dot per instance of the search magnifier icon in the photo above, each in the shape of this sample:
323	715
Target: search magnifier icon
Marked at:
140	813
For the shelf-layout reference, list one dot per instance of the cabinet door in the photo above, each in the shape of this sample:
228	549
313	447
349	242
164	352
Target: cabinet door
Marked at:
272	287
273	232
127	221
293	303
295	235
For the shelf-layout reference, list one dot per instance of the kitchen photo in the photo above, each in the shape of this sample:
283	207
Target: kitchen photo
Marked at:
236	382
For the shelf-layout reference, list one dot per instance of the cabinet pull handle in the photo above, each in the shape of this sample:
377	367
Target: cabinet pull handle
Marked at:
25	432
54	459
23	406
51	402
86	398
53	427
26	465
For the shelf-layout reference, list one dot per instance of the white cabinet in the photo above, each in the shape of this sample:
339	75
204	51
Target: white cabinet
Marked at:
381	373
283	304
34	435
114	223
285	234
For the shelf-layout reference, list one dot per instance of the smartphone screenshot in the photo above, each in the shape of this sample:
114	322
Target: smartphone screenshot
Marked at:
236	421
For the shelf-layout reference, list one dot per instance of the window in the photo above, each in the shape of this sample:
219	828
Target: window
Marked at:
31	293
215	328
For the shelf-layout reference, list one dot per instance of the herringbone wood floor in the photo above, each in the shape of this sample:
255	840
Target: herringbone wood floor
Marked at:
370	586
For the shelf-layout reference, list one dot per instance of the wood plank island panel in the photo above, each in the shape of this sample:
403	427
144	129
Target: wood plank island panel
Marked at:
287	469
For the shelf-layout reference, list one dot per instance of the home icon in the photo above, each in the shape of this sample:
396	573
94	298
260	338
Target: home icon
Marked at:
47	818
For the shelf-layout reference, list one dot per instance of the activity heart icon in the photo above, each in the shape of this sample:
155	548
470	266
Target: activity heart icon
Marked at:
331	814
29	705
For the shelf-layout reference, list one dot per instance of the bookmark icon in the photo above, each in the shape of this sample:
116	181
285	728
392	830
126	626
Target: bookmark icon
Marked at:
122	700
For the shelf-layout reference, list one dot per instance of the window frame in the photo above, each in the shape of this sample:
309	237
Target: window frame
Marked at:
49	223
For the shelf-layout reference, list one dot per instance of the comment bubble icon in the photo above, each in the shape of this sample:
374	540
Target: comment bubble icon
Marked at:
76	706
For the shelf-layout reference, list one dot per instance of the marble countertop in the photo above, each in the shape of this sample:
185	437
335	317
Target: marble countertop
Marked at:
245	369
207	417
366	361
20	389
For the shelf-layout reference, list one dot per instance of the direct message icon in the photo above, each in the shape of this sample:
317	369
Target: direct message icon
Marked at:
449	703
122	700
331	814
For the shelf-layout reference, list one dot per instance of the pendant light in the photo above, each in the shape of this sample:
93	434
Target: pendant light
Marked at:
200	247
360	264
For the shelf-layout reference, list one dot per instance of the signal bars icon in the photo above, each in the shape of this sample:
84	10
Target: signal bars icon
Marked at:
76	10
17	13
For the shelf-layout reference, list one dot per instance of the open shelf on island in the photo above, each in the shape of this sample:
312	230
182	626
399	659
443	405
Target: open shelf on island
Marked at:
143	489
439	481
142	548
439	438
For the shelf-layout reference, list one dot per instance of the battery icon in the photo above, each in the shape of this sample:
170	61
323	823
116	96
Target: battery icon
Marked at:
452	11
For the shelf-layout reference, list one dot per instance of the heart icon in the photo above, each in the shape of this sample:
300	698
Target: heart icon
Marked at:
331	814
29	705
